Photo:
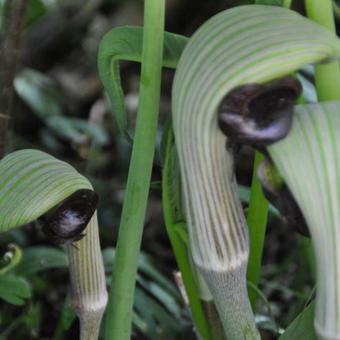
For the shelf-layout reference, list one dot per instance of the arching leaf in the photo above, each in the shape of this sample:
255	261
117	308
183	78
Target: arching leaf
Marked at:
125	43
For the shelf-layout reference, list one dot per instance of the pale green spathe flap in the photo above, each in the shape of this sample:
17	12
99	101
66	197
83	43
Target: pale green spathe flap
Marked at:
309	161
31	183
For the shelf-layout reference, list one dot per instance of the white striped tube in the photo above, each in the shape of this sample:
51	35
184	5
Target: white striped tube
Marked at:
88	285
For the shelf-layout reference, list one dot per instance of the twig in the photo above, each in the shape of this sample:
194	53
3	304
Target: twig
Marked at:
12	22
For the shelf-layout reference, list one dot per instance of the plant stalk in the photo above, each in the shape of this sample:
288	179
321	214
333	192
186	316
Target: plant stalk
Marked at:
119	311
88	286
257	224
327	77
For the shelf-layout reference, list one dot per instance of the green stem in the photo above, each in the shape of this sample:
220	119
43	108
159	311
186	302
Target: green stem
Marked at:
119	312
257	223
327	77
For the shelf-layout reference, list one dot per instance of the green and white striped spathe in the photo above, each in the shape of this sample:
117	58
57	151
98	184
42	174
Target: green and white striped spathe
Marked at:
31	183
246	44
309	161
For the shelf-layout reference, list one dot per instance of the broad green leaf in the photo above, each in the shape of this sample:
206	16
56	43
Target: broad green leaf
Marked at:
125	43
31	183
36	259
14	289
302	327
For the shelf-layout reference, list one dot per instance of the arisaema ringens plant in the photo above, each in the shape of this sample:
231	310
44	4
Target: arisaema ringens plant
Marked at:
222	70
35	186
237	61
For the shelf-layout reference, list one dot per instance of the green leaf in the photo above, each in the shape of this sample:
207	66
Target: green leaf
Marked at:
42	96
76	130
31	183
125	43
302	327
36	259
14	289
146	266
162	297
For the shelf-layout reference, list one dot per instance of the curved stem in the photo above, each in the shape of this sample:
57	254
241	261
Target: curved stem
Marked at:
119	312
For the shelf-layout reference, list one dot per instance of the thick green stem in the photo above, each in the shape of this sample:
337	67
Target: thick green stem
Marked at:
119	312
327	77
257	223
